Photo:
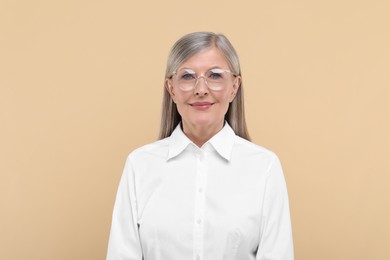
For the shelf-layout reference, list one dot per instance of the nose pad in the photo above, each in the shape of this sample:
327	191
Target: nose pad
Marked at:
201	88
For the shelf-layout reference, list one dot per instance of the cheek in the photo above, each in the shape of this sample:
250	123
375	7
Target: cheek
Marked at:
179	97
224	98
181	102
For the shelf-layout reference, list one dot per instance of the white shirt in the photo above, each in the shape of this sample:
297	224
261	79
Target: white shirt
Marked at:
227	200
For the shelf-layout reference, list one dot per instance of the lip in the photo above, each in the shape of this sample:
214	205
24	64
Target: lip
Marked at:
201	105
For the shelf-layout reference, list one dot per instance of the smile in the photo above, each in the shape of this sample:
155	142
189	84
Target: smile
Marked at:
201	105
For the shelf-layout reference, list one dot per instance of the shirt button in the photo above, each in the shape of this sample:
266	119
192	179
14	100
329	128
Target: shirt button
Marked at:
200	190
199	221
197	257
199	156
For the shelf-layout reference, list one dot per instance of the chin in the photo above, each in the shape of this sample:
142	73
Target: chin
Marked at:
203	121
206	121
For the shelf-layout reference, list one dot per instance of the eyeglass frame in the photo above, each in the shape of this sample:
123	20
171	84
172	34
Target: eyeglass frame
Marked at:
202	76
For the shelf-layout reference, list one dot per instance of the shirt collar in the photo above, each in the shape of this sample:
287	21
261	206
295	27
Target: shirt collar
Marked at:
178	141
222	142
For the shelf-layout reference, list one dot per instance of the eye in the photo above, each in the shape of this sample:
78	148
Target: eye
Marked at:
187	76
215	75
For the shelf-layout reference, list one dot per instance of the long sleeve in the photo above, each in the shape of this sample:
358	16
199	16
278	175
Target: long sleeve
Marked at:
276	235
124	243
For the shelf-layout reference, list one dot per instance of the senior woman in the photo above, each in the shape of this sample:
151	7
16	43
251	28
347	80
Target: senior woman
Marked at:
203	191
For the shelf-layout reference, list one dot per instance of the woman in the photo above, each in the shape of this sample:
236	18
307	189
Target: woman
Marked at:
203	191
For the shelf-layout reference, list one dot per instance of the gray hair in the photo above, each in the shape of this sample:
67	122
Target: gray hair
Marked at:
186	47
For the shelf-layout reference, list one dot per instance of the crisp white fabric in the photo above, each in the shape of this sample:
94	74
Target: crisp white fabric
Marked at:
227	200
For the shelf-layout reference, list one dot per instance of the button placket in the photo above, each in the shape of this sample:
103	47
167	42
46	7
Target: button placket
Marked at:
201	174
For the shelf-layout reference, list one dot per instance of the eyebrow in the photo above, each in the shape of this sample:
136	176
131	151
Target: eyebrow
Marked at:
211	68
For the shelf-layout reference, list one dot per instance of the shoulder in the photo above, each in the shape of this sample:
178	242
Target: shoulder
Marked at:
249	149
156	149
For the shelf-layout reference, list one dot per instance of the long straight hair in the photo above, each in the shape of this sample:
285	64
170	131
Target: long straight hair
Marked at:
182	50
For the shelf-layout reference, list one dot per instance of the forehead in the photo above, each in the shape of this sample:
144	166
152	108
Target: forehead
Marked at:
205	60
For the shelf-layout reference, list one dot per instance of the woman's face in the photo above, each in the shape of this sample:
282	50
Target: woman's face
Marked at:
203	107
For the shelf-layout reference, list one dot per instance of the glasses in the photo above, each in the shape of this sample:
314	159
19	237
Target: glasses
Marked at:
215	79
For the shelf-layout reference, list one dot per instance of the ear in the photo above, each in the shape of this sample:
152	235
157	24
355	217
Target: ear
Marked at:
236	86
169	88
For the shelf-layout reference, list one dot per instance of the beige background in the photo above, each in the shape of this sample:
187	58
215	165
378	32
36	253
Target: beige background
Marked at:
81	86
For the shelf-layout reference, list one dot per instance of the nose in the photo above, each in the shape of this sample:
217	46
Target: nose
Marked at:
200	88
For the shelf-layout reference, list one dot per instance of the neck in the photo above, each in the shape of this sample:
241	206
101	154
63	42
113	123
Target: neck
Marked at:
199	135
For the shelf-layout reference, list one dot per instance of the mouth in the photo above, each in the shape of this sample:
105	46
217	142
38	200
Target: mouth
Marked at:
201	105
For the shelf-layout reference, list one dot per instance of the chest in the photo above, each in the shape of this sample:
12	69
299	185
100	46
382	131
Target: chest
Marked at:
215	196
